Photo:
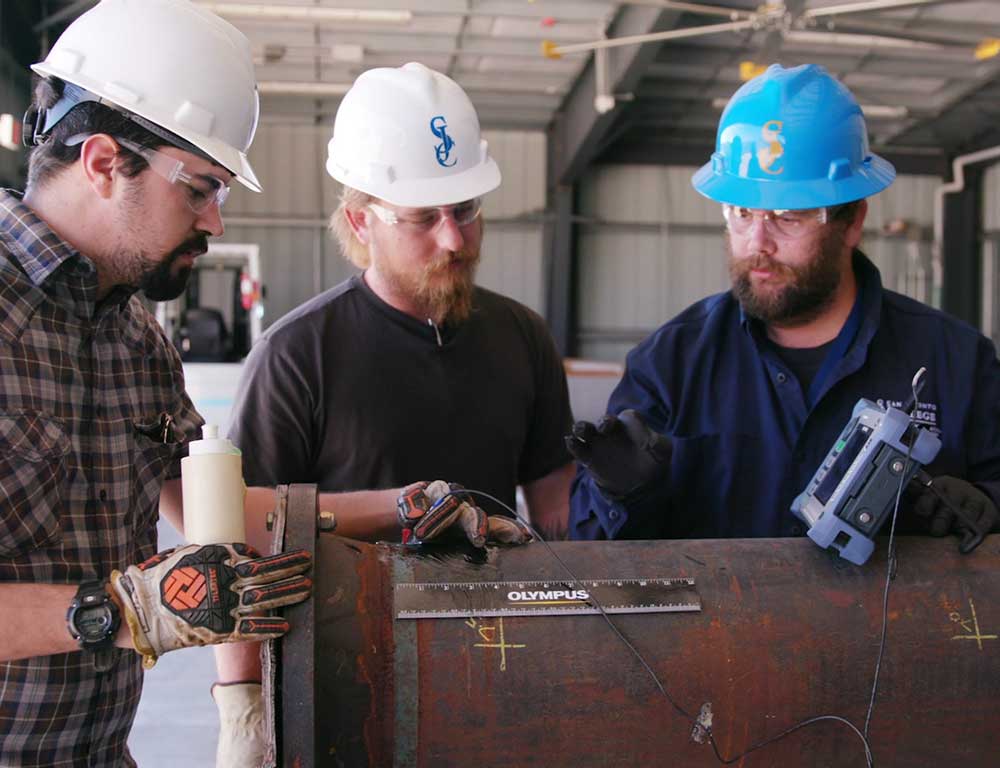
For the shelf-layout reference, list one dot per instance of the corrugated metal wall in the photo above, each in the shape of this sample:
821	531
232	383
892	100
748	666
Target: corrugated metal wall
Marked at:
299	258
650	246
991	253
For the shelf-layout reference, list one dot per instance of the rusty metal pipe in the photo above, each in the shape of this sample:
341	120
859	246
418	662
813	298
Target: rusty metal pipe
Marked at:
786	632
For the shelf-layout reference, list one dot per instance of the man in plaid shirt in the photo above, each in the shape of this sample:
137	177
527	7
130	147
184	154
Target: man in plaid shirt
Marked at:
139	124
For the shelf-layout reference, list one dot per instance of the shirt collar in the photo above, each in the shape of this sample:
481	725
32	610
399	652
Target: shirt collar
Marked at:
38	250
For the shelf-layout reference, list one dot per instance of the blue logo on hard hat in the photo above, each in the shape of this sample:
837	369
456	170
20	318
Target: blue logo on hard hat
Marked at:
443	150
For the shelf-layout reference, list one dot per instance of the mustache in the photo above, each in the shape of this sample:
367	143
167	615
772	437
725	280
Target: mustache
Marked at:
196	245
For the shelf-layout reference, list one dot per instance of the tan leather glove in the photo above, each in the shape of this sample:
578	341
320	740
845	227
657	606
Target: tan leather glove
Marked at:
204	595
426	510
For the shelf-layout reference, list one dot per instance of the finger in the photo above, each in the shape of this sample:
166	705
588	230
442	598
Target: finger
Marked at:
259	628
926	504
437	490
940	523
267	596
440	517
274	567
579	449
608	425
506	530
472	519
584	431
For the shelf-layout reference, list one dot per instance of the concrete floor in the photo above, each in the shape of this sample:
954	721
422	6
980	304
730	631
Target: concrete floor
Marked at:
177	723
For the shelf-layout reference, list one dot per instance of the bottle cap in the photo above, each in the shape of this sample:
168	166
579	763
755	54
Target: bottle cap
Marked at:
211	443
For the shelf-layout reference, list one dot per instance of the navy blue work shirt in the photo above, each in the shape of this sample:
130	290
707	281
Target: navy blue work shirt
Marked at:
747	440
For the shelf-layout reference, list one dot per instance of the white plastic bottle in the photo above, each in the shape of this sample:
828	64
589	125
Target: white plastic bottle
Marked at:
212	483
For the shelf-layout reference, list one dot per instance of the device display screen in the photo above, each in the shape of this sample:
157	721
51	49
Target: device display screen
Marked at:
848	452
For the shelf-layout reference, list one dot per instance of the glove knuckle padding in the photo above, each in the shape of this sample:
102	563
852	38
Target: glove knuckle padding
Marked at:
194	595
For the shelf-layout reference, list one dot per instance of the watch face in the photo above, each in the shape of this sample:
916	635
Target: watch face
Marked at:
93	623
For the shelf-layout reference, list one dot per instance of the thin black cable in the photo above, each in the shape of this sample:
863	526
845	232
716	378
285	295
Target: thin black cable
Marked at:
890	569
696	725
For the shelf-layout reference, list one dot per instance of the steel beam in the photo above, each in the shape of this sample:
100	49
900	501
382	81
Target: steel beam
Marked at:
578	132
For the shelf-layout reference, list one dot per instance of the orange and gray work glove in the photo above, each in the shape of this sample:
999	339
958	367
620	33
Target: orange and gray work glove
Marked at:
426	510
951	504
204	595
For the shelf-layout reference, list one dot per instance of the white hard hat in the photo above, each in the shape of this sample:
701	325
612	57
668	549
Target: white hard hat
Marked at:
410	136
173	65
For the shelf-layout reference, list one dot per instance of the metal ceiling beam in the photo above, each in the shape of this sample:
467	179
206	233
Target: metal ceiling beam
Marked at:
578	132
69	13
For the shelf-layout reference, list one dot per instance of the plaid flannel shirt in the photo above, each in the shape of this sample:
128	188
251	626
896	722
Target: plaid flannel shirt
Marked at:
83	391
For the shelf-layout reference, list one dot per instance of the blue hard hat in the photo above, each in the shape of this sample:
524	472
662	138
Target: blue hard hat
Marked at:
791	139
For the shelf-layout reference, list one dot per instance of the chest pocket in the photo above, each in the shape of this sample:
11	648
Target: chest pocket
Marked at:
33	472
151	458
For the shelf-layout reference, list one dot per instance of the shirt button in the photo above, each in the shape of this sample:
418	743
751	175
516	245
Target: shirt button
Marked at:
103	494
613	514
797	529
782	378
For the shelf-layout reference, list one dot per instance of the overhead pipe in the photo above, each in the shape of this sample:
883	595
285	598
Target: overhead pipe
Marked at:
957	184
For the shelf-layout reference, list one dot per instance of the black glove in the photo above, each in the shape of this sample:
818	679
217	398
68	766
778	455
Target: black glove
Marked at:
950	504
621	452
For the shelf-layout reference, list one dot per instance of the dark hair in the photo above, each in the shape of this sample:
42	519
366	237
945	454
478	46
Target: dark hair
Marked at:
49	158
845	212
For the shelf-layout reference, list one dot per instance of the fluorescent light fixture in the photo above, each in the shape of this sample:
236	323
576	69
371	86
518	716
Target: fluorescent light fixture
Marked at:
307	13
298	88
859	41
10	132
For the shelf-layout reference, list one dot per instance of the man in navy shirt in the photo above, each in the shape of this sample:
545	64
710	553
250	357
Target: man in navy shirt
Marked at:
725	412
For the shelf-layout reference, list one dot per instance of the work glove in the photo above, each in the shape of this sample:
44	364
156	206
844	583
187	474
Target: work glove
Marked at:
950	504
621	453
426	510
242	743
204	595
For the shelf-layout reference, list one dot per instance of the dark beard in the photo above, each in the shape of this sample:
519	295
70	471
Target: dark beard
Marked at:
808	291
162	282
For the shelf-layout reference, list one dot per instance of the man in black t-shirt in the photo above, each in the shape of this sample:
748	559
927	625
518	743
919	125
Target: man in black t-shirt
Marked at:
408	372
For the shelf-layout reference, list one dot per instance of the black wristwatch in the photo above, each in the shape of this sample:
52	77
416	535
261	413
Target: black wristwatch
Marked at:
93	618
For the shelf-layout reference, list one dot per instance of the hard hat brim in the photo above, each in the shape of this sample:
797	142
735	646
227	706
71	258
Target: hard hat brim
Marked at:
425	193
874	175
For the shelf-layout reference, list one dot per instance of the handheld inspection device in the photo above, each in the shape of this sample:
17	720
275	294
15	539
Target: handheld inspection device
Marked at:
852	493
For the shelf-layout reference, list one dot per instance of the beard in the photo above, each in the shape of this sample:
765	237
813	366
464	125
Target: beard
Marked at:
165	280
160	279
443	288
802	291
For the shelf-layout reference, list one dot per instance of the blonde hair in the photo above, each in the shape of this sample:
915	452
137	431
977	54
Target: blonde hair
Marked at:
351	248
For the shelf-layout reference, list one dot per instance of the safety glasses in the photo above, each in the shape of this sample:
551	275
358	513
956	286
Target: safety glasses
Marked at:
788	225
428	219
201	190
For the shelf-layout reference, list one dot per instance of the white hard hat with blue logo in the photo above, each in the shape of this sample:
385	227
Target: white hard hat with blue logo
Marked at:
792	139
177	69
410	136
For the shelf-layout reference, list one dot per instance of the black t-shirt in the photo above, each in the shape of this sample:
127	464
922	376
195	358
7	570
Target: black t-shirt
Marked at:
804	362
349	393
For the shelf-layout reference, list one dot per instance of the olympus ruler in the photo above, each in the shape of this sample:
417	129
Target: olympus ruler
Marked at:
449	600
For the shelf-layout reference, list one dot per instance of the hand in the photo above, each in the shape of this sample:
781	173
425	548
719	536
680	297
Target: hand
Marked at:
204	595
426	510
951	504
621	452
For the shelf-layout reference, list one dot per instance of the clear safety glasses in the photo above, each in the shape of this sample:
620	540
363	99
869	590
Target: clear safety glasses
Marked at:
428	219
201	190
788	225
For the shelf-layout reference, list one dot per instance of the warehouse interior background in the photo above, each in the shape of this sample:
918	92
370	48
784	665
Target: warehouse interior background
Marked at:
596	225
